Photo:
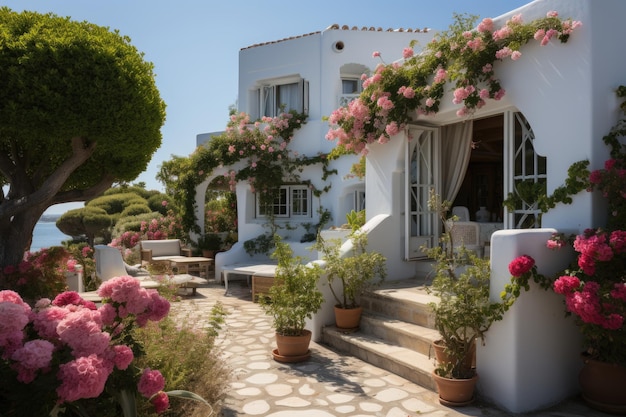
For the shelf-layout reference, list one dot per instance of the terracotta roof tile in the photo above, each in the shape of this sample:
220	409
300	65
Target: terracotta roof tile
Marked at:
337	27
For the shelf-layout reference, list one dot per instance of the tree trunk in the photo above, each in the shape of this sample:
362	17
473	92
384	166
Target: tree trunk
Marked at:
16	236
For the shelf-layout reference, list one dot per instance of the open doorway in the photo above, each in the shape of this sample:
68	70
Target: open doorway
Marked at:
483	184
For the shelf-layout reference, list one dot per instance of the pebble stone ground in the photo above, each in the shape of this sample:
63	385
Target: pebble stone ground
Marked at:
329	384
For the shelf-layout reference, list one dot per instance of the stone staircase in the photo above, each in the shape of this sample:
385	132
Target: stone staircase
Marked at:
396	332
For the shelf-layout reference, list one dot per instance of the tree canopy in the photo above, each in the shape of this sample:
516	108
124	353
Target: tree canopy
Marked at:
79	110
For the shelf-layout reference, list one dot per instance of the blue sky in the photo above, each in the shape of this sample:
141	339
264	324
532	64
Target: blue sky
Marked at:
194	45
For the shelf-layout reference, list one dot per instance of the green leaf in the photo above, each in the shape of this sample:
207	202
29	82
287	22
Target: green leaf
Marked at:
187	394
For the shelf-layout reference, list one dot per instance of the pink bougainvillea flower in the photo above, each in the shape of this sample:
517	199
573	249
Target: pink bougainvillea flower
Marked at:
566	284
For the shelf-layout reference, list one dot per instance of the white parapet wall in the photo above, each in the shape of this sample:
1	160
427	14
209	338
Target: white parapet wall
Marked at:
531	359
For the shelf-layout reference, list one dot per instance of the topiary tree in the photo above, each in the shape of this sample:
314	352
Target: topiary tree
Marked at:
79	110
88	221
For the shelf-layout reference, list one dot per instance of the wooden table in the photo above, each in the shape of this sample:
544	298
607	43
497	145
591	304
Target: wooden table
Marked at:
193	264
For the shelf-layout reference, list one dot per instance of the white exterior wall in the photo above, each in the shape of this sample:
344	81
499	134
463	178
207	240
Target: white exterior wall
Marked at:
315	58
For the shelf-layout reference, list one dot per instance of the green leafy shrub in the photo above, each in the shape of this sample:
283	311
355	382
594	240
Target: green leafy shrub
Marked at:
197	367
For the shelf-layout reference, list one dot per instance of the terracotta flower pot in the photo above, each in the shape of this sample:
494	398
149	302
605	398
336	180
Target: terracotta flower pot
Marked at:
442	357
602	385
348	318
293	345
455	392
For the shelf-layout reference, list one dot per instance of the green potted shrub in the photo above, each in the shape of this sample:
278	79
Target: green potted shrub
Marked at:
463	314
357	271
293	298
209	244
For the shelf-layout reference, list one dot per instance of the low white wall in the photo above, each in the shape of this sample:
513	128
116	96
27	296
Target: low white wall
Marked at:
531	358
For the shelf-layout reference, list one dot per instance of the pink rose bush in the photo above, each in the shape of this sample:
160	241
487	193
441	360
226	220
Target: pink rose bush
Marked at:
67	353
595	293
461	58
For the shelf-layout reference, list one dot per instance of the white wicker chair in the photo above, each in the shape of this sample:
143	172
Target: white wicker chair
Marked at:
462	213
465	234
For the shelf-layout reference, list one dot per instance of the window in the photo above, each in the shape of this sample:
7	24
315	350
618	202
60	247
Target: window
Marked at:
274	97
292	201
351	87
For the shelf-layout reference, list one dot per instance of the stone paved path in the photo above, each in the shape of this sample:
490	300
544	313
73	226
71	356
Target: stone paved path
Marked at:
329	384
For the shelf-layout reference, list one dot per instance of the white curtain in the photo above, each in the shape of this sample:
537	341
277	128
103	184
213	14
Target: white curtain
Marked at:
456	147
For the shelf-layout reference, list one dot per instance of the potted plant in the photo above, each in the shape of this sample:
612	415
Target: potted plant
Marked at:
463	314
294	298
357	271
209	244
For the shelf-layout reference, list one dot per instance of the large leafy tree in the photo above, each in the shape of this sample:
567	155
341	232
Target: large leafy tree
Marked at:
79	111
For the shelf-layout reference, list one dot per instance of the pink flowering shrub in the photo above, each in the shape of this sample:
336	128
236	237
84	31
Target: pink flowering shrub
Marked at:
68	353
40	274
595	293
164	227
462	57
594	287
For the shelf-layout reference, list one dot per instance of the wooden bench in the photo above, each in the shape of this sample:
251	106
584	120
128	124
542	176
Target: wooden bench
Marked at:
248	270
261	285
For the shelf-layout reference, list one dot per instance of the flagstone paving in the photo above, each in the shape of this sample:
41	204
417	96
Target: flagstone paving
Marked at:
329	384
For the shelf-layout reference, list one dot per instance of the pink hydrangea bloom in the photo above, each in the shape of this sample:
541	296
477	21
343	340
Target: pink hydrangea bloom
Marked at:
407	53
35	354
150	383
14	298
13	319
83	377
123	356
82	331
72	297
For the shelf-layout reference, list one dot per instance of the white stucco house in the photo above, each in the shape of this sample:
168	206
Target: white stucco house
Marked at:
559	103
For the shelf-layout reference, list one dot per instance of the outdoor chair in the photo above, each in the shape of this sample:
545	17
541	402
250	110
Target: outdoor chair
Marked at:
465	234
462	213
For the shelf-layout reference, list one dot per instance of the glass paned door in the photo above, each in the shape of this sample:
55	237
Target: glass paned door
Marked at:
527	173
422	175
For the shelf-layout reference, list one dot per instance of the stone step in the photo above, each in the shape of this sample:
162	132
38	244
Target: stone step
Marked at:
398	332
405	300
409	364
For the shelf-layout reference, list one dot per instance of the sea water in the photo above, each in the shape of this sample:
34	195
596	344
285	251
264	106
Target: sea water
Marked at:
47	234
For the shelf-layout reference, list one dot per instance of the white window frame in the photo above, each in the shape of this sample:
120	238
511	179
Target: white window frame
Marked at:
346	98
266	104
293	201
515	154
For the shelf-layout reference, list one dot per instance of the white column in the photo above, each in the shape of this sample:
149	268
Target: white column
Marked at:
531	358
